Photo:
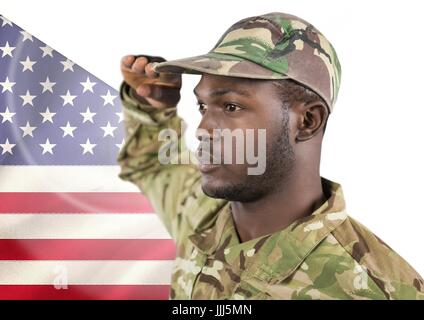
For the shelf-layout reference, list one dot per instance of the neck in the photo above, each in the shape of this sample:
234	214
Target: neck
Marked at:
297	197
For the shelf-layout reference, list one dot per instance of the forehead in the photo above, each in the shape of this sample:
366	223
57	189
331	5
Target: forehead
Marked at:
209	84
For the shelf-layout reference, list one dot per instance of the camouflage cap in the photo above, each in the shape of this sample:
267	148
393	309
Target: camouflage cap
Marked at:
270	46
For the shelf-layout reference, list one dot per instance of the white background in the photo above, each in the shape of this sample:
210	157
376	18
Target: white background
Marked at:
374	141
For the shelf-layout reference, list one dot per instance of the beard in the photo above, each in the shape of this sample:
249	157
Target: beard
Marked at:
279	163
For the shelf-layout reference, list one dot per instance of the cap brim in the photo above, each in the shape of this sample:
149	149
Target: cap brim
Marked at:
218	64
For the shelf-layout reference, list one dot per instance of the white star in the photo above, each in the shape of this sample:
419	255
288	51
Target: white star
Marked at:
108	98
68	98
88	116
26	36
67	65
120	145
7	115
47	116
7	147
108	130
7	50
88	147
7	85
88	86
27	98
47	85
28	64
27	130
47	147
68	130
5	21
47	51
120	116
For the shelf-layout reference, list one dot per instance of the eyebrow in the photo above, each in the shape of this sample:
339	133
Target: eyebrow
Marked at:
222	91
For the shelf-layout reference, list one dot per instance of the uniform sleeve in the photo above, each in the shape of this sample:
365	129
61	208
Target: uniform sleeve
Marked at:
383	266
174	190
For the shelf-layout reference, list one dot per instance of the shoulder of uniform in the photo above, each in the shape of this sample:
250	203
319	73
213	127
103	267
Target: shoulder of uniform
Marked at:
385	266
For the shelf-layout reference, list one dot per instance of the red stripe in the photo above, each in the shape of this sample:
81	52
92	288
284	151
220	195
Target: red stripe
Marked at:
70	202
84	292
78	249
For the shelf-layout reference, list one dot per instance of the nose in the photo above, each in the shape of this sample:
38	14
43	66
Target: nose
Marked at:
208	128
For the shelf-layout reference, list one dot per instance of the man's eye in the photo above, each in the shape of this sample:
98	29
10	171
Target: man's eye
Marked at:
202	107
231	107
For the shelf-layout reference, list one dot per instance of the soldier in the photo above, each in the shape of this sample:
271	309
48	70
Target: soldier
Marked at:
283	234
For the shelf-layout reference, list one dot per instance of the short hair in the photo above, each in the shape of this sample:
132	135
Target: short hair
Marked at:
291	91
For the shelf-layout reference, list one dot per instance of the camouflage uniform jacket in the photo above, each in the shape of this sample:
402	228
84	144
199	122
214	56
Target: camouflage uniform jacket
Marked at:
327	255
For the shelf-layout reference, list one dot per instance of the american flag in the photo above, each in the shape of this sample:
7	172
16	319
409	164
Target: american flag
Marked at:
69	227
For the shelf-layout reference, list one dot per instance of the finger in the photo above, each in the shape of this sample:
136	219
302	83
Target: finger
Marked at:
150	72
127	61
139	65
143	90
171	79
150	91
168	96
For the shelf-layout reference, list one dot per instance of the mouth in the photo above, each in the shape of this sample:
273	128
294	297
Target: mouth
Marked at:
206	161
206	168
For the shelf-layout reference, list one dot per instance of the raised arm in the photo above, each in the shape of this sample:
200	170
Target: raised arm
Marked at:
149	106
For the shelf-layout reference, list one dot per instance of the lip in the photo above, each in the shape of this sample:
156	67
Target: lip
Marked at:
207	167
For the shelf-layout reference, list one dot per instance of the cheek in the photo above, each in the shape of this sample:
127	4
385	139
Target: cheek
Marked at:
260	125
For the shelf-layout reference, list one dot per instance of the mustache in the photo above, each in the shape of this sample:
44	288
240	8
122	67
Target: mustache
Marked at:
204	155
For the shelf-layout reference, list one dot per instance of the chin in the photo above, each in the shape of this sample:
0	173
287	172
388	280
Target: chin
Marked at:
213	188
229	191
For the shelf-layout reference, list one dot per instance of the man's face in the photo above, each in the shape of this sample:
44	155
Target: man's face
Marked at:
236	103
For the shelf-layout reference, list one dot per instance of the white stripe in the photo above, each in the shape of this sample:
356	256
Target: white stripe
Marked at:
110	272
81	226
63	179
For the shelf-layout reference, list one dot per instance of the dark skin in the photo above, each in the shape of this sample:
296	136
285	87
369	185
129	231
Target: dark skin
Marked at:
291	186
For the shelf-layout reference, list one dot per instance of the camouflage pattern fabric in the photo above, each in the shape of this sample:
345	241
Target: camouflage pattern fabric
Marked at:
327	255
270	46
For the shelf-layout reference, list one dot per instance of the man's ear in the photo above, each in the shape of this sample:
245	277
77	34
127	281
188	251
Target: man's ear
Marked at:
311	119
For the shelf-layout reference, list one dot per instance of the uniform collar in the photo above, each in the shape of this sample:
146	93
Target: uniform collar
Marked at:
274	257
